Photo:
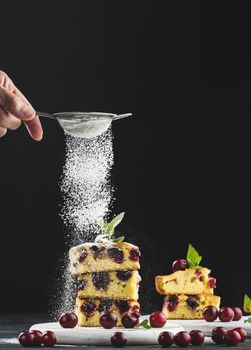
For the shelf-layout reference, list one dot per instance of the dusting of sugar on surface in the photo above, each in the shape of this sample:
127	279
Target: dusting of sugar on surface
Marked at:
87	198
9	341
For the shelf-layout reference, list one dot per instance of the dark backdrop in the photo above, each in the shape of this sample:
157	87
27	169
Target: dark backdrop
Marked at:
182	163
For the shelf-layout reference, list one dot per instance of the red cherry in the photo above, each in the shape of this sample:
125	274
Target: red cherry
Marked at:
116	254
49	339
88	307
108	320
182	339
180	264
128	321
82	255
210	313
38	337
198	273
68	320
26	339
134	254
197	337
226	314
232	337
242	332
211	283
119	340
137	321
157	319
237	313
192	301
135	312
218	335
171	302
166	339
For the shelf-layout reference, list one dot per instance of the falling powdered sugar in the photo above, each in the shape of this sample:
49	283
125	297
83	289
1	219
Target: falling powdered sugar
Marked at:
87	196
86	185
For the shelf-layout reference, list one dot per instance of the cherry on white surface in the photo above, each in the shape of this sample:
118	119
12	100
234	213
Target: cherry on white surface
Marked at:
137	335
101	336
207	327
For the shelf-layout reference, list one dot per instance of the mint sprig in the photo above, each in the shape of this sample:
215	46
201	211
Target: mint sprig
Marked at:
247	303
109	228
145	324
193	257
248	320
119	239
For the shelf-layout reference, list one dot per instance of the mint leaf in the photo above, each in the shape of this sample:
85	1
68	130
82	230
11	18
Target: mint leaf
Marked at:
247	303
145	324
115	222
118	240
248	320
193	257
109	227
105	226
196	267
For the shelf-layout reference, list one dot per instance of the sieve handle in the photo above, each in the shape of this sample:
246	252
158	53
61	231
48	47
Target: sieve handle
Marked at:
120	116
46	115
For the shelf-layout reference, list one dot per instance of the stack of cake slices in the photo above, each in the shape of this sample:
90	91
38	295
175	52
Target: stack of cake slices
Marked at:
187	292
108	280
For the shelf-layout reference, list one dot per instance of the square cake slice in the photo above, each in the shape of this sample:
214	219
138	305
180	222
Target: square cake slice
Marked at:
116	284
89	310
188	306
189	281
108	256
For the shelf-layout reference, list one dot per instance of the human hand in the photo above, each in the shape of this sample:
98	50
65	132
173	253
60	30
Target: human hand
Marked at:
15	109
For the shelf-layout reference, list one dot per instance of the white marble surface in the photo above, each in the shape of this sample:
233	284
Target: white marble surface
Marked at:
136	336
101	336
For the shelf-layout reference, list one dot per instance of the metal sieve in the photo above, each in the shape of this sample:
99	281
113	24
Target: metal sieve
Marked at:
84	124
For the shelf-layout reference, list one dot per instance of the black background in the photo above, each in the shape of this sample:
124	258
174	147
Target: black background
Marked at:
182	163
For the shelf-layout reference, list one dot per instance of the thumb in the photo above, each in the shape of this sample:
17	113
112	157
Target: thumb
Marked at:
13	104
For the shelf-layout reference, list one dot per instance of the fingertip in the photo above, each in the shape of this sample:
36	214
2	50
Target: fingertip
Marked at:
38	137
35	129
36	133
3	131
